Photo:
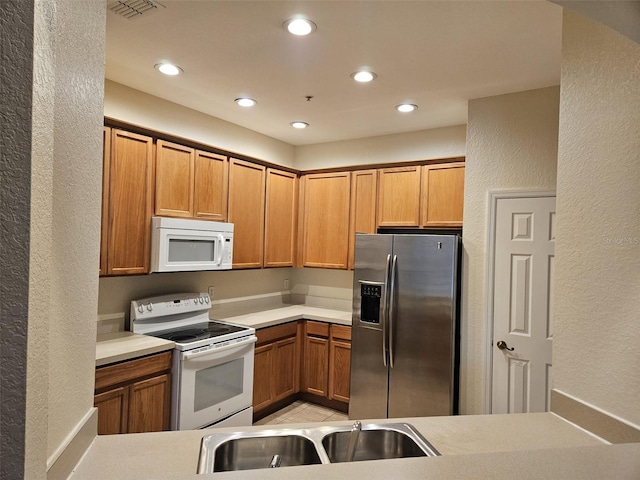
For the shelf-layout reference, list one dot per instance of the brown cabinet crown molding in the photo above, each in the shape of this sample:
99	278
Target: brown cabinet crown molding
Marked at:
156	135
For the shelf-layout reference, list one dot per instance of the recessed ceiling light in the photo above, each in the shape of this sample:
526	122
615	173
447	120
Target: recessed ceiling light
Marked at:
299	26
299	124
168	68
363	76
406	107
245	102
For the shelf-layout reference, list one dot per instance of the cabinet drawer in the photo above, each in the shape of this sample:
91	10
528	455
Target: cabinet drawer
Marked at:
317	329
340	332
269	334
132	370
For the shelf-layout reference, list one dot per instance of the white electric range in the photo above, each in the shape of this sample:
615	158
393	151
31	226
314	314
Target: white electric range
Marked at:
212	373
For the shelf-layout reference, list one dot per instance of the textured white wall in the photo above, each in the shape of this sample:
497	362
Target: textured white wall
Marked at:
511	144
40	270
65	202
597	299
422	145
133	106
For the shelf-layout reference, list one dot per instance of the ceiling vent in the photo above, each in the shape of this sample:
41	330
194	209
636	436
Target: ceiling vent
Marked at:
134	9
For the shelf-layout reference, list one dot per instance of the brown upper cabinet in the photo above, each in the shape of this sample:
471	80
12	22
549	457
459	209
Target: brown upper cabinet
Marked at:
190	183
246	212
280	218
399	197
104	222
129	203
211	186
326	203
174	180
363	206
442	195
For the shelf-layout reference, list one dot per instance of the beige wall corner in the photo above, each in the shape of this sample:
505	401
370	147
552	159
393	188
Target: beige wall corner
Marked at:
61	464
511	144
139	108
66	181
597	299
421	145
601	424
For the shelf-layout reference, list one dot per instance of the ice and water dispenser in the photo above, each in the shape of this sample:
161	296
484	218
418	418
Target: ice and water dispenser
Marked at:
370	298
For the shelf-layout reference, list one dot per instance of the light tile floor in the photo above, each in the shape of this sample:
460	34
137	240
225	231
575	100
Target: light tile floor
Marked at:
302	412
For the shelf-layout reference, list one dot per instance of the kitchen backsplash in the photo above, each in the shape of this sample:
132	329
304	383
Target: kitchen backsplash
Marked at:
236	291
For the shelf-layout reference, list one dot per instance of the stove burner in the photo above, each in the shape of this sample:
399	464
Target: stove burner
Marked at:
184	337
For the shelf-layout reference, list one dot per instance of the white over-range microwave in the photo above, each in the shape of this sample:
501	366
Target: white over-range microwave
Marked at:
185	245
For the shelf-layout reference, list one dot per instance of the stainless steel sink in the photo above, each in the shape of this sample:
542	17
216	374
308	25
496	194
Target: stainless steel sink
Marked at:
221	452
251	450
377	442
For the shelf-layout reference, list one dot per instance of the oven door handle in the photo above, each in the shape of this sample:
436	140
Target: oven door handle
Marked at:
213	351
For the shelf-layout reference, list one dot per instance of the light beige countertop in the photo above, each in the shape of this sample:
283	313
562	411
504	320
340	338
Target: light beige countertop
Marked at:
523	446
282	314
119	346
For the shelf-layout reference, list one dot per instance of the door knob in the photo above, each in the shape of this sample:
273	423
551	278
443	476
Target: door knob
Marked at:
502	345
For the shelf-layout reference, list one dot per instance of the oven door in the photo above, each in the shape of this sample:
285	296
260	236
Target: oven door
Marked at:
213	384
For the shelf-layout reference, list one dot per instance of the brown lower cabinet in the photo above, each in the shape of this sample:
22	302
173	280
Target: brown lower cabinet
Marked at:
306	358
276	365
134	396
327	360
339	363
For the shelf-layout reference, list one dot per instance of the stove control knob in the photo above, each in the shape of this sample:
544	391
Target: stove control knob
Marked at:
149	307
201	300
140	308
206	300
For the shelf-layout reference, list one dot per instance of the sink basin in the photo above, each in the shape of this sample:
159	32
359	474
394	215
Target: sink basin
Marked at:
251	450
377	442
257	452
223	452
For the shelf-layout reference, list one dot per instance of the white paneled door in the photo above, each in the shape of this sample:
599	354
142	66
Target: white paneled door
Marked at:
523	269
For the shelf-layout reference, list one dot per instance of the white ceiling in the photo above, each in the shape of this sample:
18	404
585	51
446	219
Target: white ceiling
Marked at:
436	54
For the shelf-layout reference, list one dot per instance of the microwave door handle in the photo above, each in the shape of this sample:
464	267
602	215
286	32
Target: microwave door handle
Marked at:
220	246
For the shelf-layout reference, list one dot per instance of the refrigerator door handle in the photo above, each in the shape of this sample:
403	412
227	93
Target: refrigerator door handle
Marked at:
391	311
383	307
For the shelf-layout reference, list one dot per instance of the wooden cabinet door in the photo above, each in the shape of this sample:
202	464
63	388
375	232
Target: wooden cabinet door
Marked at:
339	363
363	206
280	218
399	197
130	203
211	186
149	405
246	212
104	224
326	220
174	180
442	195
316	362
285	371
112	411
262	378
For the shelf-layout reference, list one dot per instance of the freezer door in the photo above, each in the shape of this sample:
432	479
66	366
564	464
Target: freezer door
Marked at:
422	326
369	374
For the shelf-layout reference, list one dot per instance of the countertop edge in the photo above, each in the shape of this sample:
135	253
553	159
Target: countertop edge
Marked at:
121	346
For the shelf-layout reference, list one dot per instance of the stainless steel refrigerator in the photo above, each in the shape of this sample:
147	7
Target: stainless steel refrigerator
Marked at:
405	339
